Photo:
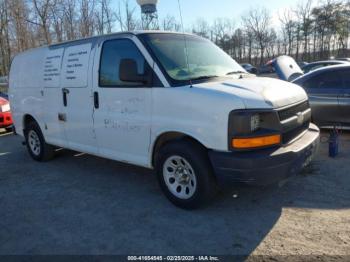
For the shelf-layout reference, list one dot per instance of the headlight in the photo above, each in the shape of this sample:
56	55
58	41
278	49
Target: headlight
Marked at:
5	108
254	122
250	129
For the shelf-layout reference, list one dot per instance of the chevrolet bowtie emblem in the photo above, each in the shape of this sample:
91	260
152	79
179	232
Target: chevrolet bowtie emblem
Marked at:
300	117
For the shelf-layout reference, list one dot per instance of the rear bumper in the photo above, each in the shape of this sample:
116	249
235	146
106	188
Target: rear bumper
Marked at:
266	166
5	119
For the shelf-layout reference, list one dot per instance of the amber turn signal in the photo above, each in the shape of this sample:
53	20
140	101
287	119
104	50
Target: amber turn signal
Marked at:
254	142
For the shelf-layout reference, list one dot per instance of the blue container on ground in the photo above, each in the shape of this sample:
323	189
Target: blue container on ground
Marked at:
333	143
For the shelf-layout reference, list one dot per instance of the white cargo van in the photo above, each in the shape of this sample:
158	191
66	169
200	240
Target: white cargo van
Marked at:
173	102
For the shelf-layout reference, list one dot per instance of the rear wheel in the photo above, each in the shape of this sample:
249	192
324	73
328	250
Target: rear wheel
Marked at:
184	174
38	149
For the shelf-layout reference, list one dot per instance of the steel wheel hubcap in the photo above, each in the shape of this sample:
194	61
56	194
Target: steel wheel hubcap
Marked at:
34	142
179	177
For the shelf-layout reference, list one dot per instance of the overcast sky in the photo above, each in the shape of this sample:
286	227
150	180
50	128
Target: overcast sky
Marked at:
211	9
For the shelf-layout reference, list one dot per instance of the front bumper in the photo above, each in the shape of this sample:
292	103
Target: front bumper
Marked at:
266	166
5	119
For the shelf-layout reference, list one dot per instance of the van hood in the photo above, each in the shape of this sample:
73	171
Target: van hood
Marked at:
259	92
286	68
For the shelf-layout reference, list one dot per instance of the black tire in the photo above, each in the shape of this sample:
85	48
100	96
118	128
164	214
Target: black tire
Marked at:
198	159
46	151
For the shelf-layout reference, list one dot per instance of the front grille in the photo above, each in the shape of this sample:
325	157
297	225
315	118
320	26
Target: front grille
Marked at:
292	111
291	134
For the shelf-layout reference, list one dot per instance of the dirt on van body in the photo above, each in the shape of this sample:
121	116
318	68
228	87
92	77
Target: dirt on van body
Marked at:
81	204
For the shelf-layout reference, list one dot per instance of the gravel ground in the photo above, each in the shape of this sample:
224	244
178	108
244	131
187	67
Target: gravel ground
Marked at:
81	204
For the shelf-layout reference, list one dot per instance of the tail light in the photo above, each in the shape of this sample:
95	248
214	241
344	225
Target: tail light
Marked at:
5	107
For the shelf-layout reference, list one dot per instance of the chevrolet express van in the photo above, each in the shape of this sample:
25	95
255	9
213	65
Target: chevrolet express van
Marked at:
172	102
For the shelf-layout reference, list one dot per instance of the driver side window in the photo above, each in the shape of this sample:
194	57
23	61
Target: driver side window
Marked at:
113	51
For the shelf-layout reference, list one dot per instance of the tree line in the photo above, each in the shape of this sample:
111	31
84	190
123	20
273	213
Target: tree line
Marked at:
307	32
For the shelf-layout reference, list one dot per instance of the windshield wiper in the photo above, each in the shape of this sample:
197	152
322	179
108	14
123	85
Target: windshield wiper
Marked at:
236	72
203	77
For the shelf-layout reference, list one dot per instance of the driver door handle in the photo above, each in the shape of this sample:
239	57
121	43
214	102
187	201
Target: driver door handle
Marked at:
65	91
96	100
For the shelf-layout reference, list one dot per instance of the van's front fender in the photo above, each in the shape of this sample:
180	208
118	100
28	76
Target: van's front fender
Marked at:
199	113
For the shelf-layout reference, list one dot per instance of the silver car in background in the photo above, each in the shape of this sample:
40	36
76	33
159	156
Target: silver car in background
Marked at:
319	64
328	89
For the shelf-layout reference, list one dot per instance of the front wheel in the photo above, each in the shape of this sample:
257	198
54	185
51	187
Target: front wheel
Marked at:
185	175
38	149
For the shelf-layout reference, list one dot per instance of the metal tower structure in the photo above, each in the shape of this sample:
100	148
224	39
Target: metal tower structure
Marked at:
149	14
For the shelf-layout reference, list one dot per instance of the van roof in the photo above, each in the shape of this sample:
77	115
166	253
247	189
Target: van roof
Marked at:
137	32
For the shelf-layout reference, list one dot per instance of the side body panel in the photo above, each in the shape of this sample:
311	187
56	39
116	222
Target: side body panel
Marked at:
25	87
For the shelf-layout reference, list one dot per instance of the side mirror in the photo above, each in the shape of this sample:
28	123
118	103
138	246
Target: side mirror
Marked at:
128	72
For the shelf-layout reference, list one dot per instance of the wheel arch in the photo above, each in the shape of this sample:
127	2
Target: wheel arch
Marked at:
27	118
168	137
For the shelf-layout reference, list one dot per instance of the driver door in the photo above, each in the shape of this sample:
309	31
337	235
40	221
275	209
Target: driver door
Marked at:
122	110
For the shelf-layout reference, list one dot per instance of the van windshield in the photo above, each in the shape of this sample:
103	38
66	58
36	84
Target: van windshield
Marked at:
204	59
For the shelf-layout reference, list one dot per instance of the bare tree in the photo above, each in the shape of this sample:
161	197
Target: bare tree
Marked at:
126	17
22	34
42	10
105	17
258	21
57	18
87	18
288	26
69	19
343	28
4	38
249	35
169	23
303	13
202	28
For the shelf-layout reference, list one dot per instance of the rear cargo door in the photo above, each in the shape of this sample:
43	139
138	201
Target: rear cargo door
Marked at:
54	129
76	97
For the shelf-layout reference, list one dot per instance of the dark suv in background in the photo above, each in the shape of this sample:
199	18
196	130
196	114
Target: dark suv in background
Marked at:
249	68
